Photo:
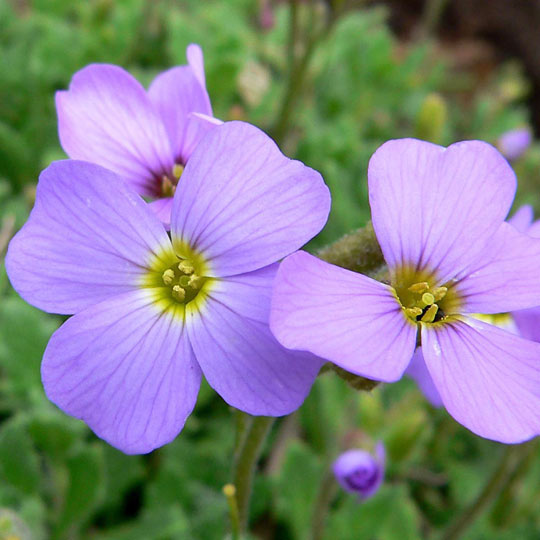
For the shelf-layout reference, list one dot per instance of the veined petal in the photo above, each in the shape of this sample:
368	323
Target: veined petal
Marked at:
488	379
528	323
162	209
435	208
126	369
522	218
88	238
107	118
504	276
418	371
175	94
239	356
347	318
243	204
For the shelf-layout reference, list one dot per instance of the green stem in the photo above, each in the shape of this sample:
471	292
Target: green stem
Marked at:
327	490
247	458
496	482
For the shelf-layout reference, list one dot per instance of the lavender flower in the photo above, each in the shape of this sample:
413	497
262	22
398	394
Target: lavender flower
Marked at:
439	217
107	117
153	313
357	471
514	143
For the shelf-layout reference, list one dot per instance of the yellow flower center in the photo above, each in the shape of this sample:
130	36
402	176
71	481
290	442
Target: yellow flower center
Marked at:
170	181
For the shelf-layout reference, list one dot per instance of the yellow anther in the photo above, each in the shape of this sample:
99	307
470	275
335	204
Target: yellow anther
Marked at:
413	312
429	315
167	187
168	276
428	299
178	293
419	287
177	170
439	293
186	267
195	281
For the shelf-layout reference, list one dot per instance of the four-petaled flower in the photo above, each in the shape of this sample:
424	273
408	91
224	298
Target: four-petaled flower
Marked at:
438	214
107	117
151	313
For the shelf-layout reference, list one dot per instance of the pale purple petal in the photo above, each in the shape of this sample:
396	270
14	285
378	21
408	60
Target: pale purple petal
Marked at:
514	143
488	379
436	208
505	275
418	371
176	93
534	229
106	118
347	318
89	237
239	356
522	219
127	369
162	209
528	323
243	204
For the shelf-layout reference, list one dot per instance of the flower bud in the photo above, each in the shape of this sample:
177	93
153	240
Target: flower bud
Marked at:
357	471
514	143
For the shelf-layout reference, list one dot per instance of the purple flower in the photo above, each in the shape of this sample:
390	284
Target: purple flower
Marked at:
152	313
514	143
107	117
357	471
438	214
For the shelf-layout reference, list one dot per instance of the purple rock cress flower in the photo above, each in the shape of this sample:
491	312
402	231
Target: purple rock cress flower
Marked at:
438	214
151	313
107	117
357	471
525	322
514	143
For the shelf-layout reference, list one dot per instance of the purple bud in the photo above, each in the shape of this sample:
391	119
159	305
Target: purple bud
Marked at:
357	471
267	19
514	143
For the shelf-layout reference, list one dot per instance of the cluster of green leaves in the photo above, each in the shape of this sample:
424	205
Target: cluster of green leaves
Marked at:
362	87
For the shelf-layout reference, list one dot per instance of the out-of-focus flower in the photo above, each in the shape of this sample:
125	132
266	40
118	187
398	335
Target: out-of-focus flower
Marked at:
514	143
438	214
107	117
152	313
267	18
359	472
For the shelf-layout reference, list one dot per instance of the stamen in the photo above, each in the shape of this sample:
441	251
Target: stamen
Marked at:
428	299
439	293
184	281
413	312
419	287
195	281
167	187
430	314
179	293
177	170
186	267
168	276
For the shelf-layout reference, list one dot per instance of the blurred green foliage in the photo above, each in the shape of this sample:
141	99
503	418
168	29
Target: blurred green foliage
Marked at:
57	480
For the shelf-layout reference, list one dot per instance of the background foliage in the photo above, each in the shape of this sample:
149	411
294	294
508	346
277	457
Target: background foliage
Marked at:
360	87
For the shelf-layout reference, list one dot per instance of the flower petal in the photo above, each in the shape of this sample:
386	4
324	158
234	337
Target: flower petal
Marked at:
488	379
126	369
528	323
239	356
243	204
106	118
522	219
162	209
175	94
347	318
418	371
505	275
89	237
436	208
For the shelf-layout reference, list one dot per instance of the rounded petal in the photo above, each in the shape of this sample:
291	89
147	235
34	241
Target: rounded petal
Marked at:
504	277
126	369
488	379
243	204
88	238
195	60
239	356
534	229
528	323
522	219
418	371
435	208
175	94
357	471
106	118
347	318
